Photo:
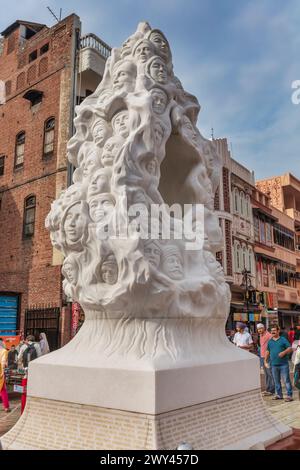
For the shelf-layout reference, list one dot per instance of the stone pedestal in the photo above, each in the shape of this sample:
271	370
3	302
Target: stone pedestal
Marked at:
88	397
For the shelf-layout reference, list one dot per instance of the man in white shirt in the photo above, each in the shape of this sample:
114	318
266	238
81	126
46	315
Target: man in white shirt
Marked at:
242	339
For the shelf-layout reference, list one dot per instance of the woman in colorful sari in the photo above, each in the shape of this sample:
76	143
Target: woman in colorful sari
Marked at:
3	364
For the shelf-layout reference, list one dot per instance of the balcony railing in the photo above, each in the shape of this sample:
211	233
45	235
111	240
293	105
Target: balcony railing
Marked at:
91	40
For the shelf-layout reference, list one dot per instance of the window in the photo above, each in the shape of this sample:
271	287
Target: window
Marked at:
29	217
236	200
242	210
2	158
34	96
44	49
49	137
32	56
284	237
20	147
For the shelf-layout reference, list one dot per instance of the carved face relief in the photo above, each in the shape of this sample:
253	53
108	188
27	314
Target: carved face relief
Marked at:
161	44
110	151
100	131
158	71
188	130
100	183
153	254
124	77
159	100
120	124
127	46
151	166
214	267
172	263
144	51
70	195
75	223
90	165
109	270
100	207
70	270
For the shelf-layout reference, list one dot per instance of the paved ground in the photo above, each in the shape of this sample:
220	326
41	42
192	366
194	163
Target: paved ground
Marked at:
8	420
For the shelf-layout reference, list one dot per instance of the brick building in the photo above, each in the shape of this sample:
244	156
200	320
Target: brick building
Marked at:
284	194
44	72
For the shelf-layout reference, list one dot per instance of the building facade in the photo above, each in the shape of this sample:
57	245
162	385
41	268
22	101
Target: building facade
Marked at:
45	73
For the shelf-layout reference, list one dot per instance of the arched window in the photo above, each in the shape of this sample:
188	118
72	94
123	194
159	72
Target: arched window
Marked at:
244	258
237	252
49	128
236	200
29	216
20	149
250	261
242	196
247	204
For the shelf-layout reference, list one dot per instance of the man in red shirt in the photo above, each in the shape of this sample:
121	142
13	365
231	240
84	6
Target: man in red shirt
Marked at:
264	338
291	335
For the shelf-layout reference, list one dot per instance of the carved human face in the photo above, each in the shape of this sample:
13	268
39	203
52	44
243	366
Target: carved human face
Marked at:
144	51
69	271
214	267
109	272
152	254
127	46
151	167
159	101
90	165
74	224
172	266
158	71
124	77
100	207
120	124
100	183
70	195
161	44
110	150
100	132
189	130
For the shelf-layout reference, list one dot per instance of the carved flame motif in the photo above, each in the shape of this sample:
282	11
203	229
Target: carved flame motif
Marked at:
136	142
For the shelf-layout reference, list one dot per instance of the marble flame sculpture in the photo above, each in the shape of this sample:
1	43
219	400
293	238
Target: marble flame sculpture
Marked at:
136	140
151	366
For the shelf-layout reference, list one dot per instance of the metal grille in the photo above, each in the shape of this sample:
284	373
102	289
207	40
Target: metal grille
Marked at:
43	320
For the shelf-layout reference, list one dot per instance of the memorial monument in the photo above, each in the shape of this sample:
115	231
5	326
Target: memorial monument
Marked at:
151	366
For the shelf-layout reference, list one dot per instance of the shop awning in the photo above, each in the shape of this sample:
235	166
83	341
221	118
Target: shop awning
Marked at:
289	313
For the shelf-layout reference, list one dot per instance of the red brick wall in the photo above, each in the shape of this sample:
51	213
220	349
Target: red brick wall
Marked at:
26	264
228	244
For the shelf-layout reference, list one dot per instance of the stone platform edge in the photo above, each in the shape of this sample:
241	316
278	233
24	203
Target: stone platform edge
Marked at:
51	425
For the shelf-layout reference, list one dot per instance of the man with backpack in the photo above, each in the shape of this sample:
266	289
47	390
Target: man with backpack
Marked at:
33	351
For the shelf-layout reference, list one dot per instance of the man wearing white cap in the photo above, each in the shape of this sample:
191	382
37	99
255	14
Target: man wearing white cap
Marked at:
264	338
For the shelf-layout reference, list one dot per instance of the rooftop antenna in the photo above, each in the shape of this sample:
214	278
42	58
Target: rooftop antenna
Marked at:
54	15
212	133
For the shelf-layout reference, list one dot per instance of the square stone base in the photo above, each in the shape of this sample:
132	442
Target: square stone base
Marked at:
236	422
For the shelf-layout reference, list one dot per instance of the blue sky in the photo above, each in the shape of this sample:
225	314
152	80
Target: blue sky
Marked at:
239	57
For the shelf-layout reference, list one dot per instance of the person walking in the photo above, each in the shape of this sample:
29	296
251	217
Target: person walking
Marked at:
33	351
3	364
242	338
264	338
291	335
44	344
12	358
278	350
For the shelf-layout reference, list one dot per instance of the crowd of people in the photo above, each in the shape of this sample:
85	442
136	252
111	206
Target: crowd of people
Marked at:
275	348
18	357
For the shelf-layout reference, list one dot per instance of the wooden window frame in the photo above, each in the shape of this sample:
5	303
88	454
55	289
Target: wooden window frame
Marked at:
50	154
25	223
20	165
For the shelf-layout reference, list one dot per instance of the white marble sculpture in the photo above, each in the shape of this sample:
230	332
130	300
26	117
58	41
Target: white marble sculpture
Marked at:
137	144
